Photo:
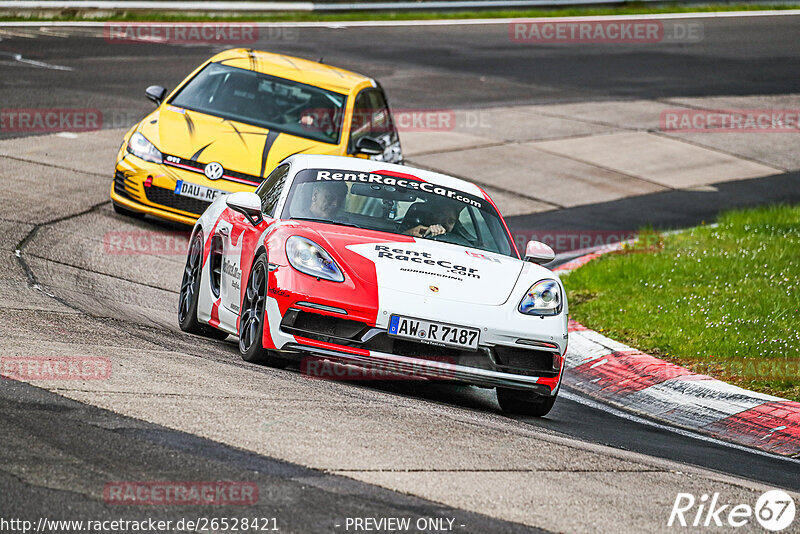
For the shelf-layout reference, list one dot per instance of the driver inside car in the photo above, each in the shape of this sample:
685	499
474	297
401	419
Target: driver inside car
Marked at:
431	219
327	200
319	116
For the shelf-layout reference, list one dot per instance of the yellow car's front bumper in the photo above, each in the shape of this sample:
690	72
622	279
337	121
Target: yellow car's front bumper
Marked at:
133	205
149	188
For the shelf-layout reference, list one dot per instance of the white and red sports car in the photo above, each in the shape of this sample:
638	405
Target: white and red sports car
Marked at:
376	265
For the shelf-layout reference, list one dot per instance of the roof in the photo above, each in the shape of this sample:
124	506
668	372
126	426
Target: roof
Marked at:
311	161
293	68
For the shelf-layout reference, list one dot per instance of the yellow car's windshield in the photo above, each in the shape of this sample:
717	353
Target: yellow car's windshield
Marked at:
265	101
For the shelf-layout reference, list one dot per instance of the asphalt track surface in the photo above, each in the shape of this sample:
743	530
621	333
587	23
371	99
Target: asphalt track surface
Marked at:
424	66
439	66
102	443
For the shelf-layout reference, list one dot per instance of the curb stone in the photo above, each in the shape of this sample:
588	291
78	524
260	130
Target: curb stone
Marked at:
623	376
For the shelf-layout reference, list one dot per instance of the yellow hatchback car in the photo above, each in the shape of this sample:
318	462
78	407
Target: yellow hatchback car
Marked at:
231	121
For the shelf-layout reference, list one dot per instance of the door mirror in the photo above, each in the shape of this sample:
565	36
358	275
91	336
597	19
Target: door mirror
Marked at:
538	252
248	204
368	146
156	93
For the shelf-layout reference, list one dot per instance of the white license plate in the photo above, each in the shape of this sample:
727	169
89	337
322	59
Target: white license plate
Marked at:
200	192
433	333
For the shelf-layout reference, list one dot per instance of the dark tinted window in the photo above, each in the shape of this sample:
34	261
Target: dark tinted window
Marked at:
371	117
270	190
265	101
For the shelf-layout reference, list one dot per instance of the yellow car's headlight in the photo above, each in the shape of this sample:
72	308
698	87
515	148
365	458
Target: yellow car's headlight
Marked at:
139	146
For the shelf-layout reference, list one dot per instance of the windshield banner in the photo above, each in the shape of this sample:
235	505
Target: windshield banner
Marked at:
406	182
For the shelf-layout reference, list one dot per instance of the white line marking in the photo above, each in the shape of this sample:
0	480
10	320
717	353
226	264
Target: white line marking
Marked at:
37	287
445	22
67	135
686	433
772	431
601	362
21	59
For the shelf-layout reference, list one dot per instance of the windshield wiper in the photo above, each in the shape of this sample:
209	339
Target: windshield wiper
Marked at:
329	221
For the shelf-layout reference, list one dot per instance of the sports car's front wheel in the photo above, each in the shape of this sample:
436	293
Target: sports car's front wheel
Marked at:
252	316
190	292
524	402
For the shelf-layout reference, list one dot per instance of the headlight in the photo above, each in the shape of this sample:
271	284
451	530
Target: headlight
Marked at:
139	146
311	259
543	298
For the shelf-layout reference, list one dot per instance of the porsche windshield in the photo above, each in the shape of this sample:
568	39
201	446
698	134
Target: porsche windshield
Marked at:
265	101
399	205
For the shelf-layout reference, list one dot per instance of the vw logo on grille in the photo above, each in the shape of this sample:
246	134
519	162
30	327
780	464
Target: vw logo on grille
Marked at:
214	171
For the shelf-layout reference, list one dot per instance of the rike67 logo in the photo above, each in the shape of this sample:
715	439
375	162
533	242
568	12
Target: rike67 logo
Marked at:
774	511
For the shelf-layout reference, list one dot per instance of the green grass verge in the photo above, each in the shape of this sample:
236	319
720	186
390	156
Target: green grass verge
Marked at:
629	9
723	301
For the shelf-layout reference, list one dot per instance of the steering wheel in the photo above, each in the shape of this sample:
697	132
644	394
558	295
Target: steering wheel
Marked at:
437	237
453	238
